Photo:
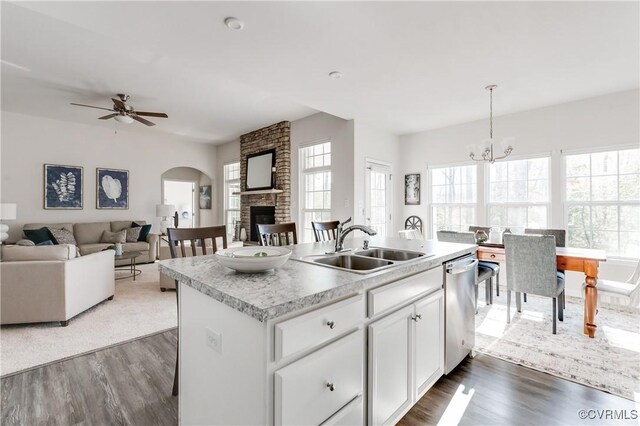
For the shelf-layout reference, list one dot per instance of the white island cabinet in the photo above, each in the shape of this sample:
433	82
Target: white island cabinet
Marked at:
307	344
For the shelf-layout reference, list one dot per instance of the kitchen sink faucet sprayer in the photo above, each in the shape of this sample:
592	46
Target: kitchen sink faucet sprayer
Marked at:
342	233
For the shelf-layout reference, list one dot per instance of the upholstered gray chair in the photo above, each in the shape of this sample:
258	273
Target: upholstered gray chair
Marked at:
493	265
560	236
531	268
484	273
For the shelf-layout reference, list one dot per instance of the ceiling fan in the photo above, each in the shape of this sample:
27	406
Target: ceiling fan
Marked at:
124	113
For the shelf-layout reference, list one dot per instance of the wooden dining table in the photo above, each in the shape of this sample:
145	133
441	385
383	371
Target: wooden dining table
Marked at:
582	260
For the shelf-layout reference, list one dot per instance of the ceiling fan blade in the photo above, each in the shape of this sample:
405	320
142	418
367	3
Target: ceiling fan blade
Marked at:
152	114
106	117
142	120
119	103
91	106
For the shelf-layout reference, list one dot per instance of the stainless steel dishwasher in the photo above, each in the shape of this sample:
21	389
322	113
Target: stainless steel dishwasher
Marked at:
459	294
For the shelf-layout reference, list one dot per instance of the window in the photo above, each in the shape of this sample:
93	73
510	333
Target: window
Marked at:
315	191
453	198
603	201
231	201
519	193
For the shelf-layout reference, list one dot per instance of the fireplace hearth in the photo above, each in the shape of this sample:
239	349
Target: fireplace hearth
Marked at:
260	215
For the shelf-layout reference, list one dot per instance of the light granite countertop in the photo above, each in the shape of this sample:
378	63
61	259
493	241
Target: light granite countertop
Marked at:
299	284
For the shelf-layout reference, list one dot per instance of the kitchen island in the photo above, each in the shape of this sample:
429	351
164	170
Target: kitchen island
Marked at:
306	343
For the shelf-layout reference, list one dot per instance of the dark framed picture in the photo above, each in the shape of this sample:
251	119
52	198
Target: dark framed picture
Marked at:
412	189
63	187
112	189
205	197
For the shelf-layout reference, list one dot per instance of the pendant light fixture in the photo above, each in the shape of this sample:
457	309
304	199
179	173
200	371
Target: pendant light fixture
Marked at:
487	154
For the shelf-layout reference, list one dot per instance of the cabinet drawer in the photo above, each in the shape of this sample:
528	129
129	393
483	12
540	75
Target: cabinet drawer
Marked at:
350	415
491	256
316	327
303	392
391	295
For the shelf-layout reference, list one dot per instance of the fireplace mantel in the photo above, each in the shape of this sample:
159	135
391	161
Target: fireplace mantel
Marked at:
259	191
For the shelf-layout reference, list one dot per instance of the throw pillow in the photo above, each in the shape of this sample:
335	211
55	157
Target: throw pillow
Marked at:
45	243
62	236
144	232
114	237
25	243
133	234
38	235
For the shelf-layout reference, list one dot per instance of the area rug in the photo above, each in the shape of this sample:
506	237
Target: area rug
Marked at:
609	362
138	309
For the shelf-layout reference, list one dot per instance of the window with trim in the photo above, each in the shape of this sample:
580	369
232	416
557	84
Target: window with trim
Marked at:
518	195
602	201
315	187
453	197
231	201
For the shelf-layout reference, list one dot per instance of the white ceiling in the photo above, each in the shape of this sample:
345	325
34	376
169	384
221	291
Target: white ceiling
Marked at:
407	66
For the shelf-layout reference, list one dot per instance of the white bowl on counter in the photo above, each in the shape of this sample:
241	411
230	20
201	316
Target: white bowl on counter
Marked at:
253	259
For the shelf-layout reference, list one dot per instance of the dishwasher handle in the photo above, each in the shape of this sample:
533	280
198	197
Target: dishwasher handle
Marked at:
454	269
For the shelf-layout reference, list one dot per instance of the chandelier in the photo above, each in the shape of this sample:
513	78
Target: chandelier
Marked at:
487	154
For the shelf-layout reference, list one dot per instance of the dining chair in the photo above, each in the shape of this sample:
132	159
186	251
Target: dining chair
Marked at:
628	290
484	273
493	265
531	268
325	231
278	234
198	245
560	236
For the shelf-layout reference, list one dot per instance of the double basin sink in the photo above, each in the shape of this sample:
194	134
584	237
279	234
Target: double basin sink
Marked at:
365	261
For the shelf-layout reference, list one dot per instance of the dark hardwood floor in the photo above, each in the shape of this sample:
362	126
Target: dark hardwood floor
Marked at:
131	384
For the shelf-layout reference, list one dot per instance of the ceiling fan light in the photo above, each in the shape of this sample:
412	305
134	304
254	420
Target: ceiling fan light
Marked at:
125	119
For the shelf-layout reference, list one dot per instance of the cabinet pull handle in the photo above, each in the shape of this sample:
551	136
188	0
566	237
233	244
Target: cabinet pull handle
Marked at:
416	317
330	386
331	325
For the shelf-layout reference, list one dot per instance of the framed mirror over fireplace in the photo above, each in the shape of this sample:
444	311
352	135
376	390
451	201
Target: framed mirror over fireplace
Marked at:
260	168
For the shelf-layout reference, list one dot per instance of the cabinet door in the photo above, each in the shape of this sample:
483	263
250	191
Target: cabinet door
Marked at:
428	342
390	367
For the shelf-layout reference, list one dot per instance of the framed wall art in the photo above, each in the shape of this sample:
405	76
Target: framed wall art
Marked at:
205	197
112	189
412	189
63	187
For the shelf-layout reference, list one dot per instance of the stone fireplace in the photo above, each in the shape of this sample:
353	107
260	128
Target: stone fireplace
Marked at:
260	215
276	136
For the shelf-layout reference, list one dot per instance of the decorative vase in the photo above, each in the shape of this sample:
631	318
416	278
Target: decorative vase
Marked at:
481	236
243	234
118	249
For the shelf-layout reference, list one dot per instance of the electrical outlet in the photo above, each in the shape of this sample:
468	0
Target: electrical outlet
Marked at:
214	340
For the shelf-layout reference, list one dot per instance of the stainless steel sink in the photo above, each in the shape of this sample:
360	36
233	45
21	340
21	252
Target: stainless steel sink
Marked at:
353	263
389	254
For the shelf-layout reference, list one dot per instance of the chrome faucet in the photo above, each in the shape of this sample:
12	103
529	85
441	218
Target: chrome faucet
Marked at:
342	233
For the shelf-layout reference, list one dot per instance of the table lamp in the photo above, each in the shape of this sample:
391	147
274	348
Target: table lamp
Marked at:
7	212
165	211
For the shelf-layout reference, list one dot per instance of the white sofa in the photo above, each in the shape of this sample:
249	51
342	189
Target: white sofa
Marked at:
51	283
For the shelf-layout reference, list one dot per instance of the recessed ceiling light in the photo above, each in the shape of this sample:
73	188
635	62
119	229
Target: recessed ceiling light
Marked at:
335	74
234	23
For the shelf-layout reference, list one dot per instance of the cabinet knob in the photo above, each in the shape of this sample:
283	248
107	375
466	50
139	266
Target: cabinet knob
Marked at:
493	256
330	386
416	317
331	325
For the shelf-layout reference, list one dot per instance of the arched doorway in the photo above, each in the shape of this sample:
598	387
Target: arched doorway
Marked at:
189	190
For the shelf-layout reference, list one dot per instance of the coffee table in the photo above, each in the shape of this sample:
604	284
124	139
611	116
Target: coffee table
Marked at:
133	272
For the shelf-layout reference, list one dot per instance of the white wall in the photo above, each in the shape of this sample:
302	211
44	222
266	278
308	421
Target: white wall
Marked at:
373	144
316	128
604	121
28	142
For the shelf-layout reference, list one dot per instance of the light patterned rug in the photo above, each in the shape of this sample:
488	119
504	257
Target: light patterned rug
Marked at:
138	309
610	361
